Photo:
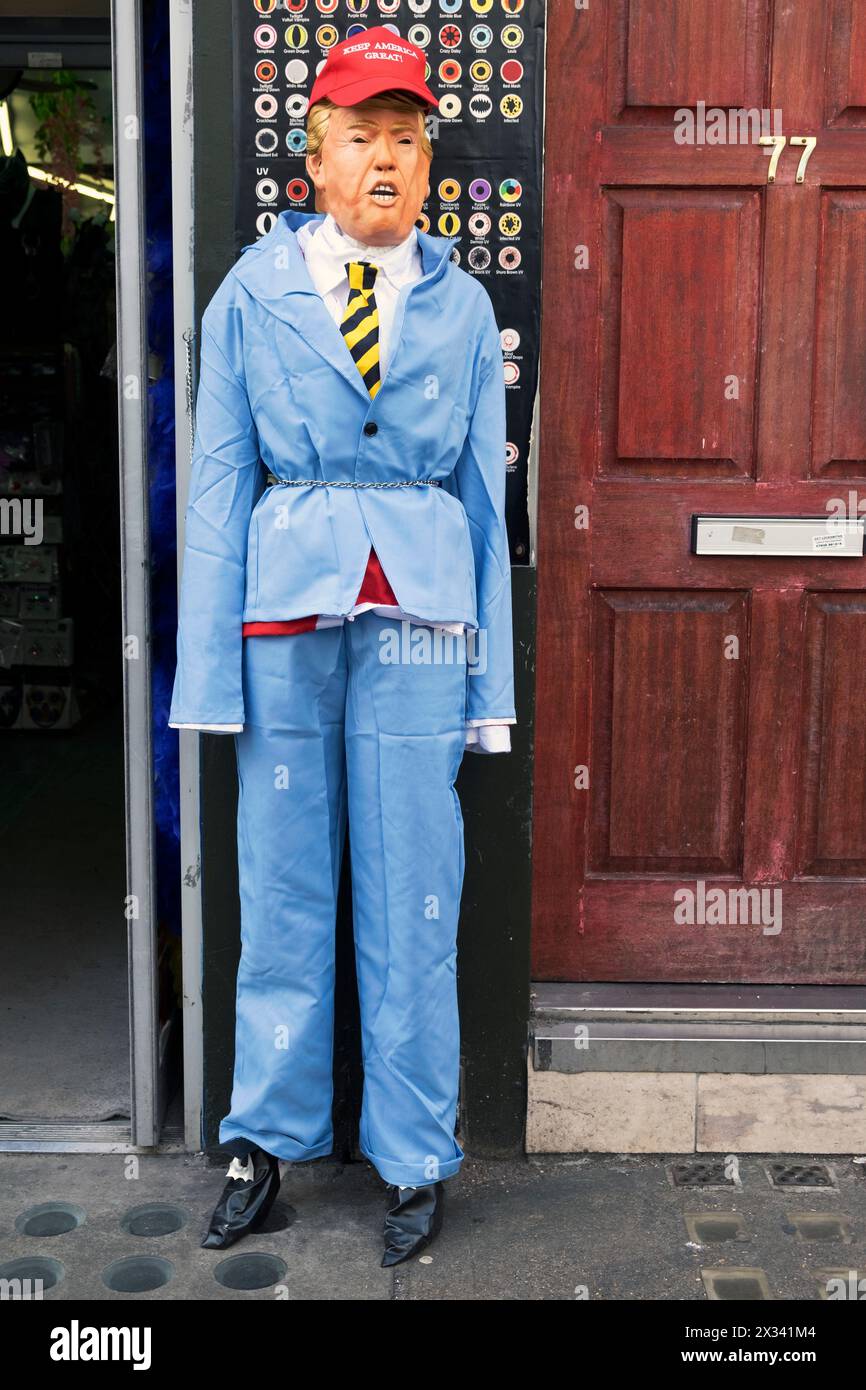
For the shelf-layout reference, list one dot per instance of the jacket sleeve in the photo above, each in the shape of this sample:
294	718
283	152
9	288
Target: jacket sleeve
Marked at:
478	481
225	482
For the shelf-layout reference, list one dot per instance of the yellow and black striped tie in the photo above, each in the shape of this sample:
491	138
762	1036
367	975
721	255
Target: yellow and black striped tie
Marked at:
360	324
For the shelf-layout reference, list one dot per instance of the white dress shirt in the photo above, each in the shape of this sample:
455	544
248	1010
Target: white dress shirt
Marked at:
325	250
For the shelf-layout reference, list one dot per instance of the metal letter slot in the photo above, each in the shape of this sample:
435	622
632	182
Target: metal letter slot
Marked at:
823	537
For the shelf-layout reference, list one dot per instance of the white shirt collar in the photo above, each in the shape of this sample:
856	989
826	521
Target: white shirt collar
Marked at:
328	247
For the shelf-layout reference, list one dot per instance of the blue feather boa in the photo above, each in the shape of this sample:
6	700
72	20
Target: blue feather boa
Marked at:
161	459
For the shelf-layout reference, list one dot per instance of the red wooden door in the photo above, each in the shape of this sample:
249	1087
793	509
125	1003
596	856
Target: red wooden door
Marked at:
701	721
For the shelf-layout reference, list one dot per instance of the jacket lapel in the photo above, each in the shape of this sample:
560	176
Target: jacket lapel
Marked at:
274	271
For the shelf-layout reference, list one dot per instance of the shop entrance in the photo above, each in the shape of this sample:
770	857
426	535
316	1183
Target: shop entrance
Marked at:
86	1004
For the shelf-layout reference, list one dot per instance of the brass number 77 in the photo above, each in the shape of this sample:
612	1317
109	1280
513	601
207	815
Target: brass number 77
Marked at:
779	141
810	141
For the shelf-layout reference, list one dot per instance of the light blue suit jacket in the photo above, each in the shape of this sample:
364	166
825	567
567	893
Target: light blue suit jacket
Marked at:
279	391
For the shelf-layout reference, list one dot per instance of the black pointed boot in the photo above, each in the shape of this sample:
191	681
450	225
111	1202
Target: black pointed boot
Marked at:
244	1205
413	1219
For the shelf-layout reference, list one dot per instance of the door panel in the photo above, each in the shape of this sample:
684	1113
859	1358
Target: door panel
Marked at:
656	670
664	55
674	419
838	415
833	823
700	721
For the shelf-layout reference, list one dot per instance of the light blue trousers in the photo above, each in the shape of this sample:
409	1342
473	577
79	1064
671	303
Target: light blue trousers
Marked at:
364	720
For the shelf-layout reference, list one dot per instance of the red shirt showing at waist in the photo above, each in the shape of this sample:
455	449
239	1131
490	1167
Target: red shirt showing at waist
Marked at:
374	589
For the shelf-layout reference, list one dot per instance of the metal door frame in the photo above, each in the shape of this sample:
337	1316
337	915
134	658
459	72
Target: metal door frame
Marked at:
132	399
183	222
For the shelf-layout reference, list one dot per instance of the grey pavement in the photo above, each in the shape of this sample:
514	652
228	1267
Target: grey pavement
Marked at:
597	1226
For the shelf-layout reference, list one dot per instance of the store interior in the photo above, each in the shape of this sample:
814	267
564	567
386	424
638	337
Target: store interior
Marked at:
65	983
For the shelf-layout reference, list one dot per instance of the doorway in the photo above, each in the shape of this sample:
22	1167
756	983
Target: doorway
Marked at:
89	1022
700	716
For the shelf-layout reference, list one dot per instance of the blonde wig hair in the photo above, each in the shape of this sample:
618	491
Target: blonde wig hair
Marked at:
319	115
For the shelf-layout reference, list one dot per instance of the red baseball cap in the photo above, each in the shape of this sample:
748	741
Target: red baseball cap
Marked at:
377	60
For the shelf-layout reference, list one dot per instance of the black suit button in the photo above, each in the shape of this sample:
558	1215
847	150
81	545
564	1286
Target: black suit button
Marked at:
371	427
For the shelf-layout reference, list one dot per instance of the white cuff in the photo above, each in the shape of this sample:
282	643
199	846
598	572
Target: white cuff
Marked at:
488	736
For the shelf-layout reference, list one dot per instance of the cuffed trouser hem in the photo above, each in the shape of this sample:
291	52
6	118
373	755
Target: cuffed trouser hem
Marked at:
411	1174
289	1150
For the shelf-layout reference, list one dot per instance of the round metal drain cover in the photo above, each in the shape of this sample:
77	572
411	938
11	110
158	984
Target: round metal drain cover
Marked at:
251	1271
137	1274
154	1219
50	1219
30	1270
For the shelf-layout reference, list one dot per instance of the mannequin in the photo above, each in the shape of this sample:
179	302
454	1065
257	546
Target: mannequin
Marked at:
379	532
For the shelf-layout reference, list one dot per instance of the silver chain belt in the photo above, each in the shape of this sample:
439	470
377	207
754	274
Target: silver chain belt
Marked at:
188	336
323	482
272	480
